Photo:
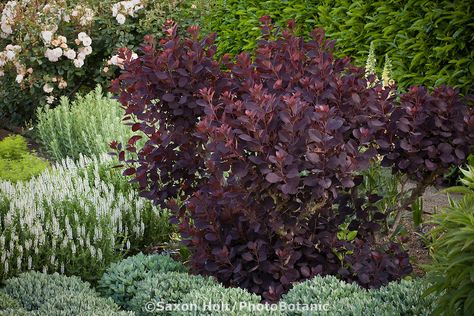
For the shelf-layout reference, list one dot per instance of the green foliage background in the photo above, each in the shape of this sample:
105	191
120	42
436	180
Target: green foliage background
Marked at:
429	42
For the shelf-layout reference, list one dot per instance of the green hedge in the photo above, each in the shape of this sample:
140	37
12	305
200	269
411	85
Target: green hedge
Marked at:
429	42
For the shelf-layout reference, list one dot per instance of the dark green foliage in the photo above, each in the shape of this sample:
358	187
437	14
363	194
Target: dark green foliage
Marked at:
429	42
121	279
16	162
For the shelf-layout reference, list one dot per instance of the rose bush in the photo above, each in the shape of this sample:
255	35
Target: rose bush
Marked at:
54	48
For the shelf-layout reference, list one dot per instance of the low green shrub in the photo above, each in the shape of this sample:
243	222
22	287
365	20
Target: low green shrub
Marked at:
407	297
32	289
16	162
13	147
397	298
6	301
15	312
224	301
75	218
166	288
54	295
321	290
336	296
66	304
426	40
359	304
121	279
452	268
85	126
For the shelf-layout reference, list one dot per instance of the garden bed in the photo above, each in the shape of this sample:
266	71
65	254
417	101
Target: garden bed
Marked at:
147	163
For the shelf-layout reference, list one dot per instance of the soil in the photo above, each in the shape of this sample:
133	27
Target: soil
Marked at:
433	201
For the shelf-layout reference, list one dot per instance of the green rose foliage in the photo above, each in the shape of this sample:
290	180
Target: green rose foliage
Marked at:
57	48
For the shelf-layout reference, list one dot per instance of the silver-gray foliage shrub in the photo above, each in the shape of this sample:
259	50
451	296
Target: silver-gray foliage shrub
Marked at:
167	288
120	280
56	295
85	126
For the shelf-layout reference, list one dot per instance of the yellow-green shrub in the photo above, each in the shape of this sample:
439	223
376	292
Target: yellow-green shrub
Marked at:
16	162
